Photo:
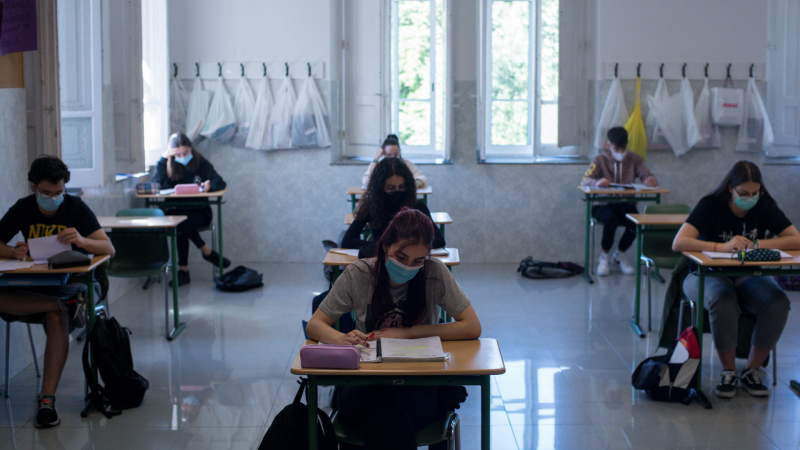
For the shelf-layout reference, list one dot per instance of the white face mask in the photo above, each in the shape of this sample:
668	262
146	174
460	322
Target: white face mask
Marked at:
619	156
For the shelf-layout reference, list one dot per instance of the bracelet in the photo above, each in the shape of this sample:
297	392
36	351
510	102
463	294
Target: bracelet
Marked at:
715	246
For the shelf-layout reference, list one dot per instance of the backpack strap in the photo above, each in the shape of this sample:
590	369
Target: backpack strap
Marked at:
328	439
303	382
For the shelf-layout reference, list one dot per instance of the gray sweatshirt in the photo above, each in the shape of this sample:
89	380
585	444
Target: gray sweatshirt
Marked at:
626	172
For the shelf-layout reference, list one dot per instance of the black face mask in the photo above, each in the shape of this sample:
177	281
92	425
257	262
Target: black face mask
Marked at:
395	199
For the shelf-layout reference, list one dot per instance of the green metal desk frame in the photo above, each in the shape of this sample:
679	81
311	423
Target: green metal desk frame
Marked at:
595	198
388	380
88	278
641	230
354	200
171	233
706	271
164	202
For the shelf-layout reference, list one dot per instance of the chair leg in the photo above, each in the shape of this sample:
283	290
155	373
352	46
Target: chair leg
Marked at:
680	316
215	266
774	367
8	356
33	350
591	260
649	299
166	302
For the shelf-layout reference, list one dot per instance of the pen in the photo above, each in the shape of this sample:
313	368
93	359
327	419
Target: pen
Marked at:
20	245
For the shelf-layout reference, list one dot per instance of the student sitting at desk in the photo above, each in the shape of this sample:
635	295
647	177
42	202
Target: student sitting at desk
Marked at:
395	295
391	188
736	216
616	165
47	212
182	164
391	147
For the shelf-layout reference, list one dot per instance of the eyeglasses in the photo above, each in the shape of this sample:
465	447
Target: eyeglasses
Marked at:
747	195
390	189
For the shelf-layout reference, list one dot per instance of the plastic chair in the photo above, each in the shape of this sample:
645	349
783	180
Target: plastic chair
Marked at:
27	320
446	428
145	256
657	248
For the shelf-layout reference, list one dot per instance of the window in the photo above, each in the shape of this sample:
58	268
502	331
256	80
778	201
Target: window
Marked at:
80	80
528	107
154	77
783	97
419	88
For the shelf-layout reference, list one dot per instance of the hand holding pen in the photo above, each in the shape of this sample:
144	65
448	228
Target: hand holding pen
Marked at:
20	250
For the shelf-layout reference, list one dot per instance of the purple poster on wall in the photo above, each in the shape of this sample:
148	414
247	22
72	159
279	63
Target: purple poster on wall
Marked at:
17	26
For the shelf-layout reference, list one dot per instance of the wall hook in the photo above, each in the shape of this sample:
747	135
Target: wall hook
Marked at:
751	70
661	71
639	71
706	70
175	66
287	69
197	66
265	69
683	71
220	69
309	69
242	66
616	70
729	70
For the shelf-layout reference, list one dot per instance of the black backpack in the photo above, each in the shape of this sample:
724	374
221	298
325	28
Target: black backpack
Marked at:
665	381
239	279
124	387
529	268
289	429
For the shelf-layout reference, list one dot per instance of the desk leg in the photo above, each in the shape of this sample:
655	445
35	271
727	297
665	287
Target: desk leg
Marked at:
425	199
441	228
658	199
312	412
89	407
486	404
178	327
353	202
638	285
699	321
586	261
219	237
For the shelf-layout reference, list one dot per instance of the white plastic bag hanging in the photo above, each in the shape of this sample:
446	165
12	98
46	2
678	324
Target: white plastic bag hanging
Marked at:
243	105
675	118
280	119
258	138
310	118
614	114
655	137
196	109
727	105
755	133
689	120
178	98
709	133
220	123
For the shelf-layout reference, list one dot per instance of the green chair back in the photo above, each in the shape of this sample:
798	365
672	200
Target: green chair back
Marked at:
140	212
658	247
138	255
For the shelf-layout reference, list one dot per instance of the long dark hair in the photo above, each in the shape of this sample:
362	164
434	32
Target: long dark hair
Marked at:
373	206
413	227
391	140
176	170
741	172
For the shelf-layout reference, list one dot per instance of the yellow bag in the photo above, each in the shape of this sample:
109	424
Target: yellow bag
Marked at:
637	137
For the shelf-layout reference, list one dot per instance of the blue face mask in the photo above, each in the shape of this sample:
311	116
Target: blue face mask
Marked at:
184	160
745	203
400	273
50	203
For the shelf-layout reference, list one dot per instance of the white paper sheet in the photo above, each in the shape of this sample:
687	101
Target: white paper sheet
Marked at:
45	247
422	349
13	264
354	252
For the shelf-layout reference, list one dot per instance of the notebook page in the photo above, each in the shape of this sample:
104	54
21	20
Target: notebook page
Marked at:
45	247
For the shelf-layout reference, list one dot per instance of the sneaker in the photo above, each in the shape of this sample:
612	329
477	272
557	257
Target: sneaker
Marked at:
213	258
727	384
75	308
183	278
46	415
751	380
602	266
626	268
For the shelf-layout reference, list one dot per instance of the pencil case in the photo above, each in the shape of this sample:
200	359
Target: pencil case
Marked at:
68	259
181	189
329	357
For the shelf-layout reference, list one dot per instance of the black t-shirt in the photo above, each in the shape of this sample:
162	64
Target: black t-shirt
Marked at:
716	222
26	218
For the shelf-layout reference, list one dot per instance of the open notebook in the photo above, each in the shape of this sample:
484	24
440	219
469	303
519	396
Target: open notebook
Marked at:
45	247
724	255
403	350
354	251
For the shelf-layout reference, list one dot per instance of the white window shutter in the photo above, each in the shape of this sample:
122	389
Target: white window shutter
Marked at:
783	86
571	72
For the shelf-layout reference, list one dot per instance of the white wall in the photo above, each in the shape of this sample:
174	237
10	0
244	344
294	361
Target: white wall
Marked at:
682	31
250	30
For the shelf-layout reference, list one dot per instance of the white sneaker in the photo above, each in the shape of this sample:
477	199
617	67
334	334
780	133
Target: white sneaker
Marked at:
626	268
602	266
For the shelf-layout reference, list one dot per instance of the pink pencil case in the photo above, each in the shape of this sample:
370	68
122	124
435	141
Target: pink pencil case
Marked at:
187	189
329	357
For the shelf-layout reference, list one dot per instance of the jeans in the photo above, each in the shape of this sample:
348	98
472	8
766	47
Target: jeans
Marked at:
611	216
726	296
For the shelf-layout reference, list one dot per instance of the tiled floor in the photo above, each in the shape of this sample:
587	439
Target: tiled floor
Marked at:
566	344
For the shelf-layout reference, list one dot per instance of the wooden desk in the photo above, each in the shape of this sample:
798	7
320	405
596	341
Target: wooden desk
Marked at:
470	363
337	259
203	199
86	275
707	267
136	226
643	223
595	195
439	218
352	191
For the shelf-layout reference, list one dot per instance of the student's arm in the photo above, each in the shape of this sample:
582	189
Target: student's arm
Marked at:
643	173
466	326
686	241
594	175
438	239
96	243
320	328
8	229
352	237
160	175
215	182
340	300
788	239
367	174
419	178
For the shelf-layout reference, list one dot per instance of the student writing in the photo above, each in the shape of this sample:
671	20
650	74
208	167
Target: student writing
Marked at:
396	294
391	188
391	147
737	215
50	211
182	164
616	165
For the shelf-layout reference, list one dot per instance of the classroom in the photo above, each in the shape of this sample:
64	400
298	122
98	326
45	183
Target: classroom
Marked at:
515	224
